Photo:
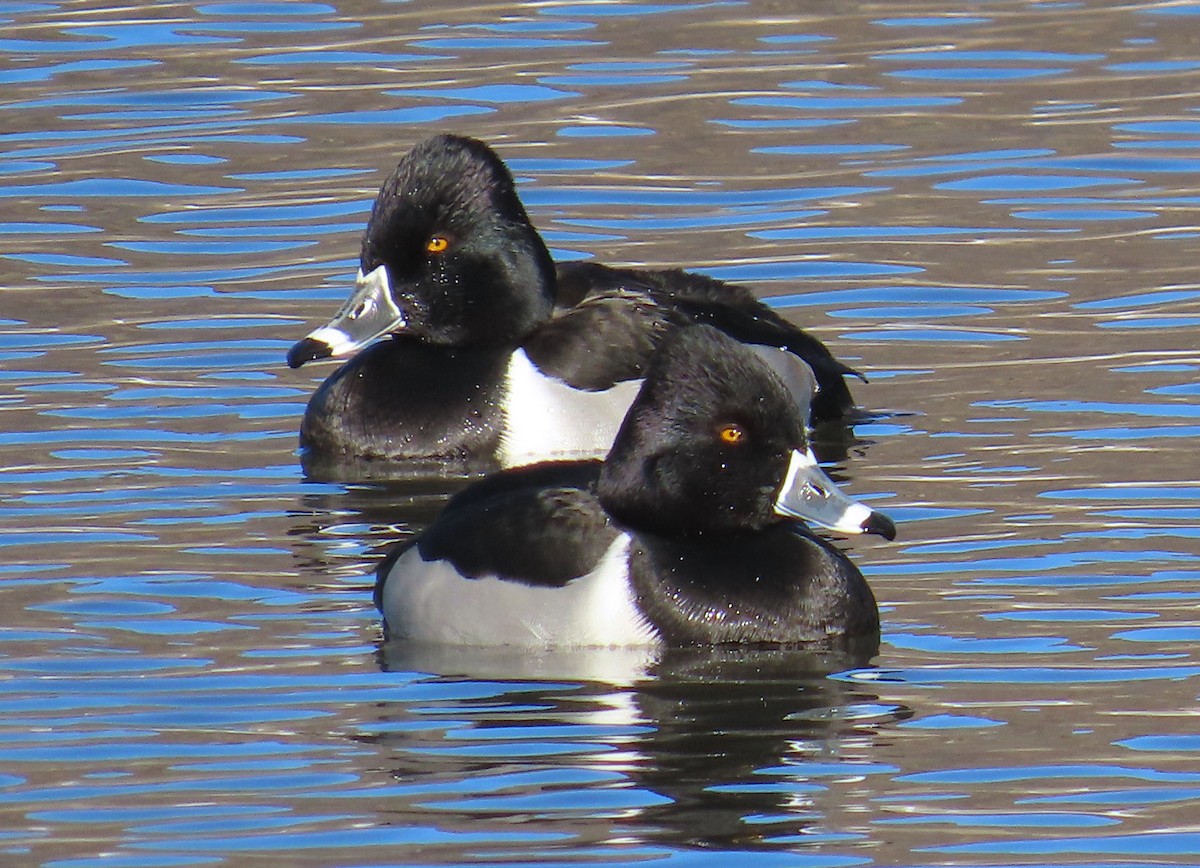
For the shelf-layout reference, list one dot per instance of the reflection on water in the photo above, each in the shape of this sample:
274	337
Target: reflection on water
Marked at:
688	746
990	212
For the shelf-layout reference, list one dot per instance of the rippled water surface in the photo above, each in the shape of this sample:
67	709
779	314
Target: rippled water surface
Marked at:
989	207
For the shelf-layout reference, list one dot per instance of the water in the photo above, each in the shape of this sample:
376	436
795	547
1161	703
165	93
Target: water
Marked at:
988	208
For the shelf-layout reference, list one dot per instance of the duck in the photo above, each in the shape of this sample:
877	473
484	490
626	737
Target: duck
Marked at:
693	530
468	348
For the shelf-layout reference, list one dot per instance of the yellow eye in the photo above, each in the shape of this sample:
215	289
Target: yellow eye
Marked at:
731	434
438	244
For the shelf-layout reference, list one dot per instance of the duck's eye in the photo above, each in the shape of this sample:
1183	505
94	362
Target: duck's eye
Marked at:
731	434
437	244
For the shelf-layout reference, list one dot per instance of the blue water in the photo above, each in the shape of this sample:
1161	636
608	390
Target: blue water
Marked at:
990	211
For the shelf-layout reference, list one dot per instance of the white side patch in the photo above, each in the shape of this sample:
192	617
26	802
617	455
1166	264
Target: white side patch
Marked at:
545	419
429	601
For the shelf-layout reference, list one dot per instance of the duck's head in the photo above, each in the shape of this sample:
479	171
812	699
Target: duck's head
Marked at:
715	442
449	257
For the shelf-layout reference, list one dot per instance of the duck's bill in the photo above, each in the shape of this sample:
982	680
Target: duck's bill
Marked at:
808	493
369	313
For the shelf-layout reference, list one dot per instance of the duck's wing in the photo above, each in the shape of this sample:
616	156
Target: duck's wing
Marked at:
678	296
606	337
734	310
540	526
766	328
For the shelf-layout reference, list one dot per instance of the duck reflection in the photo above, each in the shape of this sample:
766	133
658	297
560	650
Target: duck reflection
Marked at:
703	746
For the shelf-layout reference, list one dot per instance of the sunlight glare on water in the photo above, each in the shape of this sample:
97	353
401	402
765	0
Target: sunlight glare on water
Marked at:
989	212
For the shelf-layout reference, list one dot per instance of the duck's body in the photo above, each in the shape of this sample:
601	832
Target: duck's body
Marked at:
686	534
544	565
483	326
468	409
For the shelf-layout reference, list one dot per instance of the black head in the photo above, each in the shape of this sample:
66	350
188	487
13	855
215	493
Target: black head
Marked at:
715	443
707	442
463	262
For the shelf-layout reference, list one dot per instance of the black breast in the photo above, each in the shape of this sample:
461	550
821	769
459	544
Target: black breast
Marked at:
778	586
403	400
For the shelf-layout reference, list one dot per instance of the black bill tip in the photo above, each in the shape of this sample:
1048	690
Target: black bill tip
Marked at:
879	523
308	350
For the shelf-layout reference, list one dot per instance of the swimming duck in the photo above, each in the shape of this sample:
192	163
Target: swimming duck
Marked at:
496	356
691	531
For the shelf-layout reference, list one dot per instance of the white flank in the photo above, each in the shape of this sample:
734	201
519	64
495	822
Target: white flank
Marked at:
428	601
547	420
